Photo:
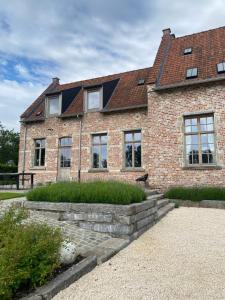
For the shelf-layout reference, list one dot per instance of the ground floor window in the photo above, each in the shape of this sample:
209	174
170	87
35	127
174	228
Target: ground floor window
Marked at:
99	151
199	140
65	144
132	149
39	152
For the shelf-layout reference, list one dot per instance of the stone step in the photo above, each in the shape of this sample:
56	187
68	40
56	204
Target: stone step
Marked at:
151	192
155	197
162	202
164	210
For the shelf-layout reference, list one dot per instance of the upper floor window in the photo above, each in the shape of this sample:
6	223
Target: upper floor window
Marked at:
39	152
94	99
132	149
53	106
221	67
65	144
199	140
99	151
192	73
187	51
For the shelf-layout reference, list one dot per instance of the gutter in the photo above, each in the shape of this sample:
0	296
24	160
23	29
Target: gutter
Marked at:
124	108
24	149
187	84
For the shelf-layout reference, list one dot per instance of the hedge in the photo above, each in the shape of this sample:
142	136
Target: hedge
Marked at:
8	169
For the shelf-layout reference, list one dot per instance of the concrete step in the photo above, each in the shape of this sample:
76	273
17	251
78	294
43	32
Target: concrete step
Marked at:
162	202
151	192
155	197
164	210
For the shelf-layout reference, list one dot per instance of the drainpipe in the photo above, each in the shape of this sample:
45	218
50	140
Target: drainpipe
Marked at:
79	158
24	148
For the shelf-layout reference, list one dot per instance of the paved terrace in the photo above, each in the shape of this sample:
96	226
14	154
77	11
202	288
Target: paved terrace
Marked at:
181	257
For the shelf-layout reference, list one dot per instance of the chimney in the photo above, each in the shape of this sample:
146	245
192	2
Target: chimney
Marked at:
166	31
55	80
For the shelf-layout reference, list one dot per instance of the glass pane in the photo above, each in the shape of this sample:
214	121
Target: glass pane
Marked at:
137	155
36	157
104	156
205	158
42	143
65	157
67	141
96	139
53	105
194	72
42	157
187	122
95	157
128	137
211	138
195	157
191	125
137	136
191	139
128	155
38	143
93	100
220	67
104	139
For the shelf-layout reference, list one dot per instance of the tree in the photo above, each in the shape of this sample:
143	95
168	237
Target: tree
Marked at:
9	146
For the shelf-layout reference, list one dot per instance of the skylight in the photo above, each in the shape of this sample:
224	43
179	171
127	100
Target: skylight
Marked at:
187	51
192	73
221	67
141	81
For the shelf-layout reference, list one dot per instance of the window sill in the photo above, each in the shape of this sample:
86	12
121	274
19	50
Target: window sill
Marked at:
38	168
200	167
132	170
98	170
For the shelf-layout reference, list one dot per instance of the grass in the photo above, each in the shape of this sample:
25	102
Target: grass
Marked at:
112	192
196	193
10	195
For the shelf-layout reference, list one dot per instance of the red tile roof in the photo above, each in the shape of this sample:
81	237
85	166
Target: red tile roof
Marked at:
208	49
127	94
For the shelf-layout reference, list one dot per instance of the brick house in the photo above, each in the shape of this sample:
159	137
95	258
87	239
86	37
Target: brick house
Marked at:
167	120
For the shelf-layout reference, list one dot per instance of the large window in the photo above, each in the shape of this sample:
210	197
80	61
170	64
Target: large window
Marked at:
53	106
199	140
39	152
132	145
99	151
65	144
94	99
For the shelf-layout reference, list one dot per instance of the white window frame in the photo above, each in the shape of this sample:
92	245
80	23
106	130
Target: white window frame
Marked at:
47	105
100	90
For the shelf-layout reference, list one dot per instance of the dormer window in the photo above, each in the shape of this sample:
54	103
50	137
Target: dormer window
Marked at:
53	106
221	67
94	99
192	73
187	51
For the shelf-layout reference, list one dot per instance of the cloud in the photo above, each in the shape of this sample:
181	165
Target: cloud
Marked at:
81	39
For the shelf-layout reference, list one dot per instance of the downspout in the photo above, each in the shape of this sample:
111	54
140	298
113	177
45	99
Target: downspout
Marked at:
79	158
24	148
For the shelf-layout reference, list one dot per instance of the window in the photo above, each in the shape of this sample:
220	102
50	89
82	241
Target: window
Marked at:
93	99
65	144
39	153
53	105
187	51
221	67
99	151
141	81
192	73
199	140
132	149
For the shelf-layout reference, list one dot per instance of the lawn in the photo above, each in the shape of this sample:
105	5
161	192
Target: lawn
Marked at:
10	195
196	193
112	192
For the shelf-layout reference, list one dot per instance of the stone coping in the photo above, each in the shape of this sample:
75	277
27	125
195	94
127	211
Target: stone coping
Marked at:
204	203
127	210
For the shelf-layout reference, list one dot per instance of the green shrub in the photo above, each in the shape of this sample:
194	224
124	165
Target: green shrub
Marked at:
196	193
28	253
89	192
8	168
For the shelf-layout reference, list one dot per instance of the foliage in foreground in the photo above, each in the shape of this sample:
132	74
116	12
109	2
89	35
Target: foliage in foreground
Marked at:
10	195
89	192
196	193
28	253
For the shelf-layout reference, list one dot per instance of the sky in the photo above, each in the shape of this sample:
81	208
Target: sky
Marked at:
80	39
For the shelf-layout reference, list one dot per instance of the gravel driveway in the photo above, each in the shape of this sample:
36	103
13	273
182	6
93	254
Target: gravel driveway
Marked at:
182	257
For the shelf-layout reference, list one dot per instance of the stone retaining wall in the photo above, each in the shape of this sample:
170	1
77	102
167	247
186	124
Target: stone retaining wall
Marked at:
124	221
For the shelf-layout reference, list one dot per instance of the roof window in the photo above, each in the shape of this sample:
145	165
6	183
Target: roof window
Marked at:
141	81
192	73
187	51
221	67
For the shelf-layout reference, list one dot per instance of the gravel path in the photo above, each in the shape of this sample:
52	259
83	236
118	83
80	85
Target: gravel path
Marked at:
182	257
